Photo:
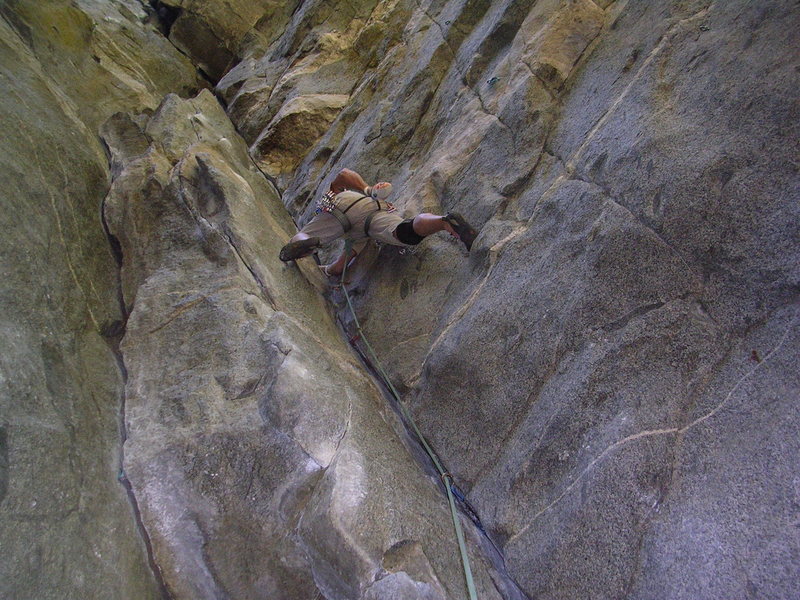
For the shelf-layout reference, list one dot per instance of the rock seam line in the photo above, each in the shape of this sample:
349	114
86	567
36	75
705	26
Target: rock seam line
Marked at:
122	478
569	167
655	432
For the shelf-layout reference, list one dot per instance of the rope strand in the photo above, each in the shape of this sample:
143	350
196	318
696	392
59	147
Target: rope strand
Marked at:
447	479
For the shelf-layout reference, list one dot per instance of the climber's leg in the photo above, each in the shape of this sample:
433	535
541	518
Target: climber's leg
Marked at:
426	224
320	230
335	268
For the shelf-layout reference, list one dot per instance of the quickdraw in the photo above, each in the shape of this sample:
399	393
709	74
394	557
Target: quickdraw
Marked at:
326	203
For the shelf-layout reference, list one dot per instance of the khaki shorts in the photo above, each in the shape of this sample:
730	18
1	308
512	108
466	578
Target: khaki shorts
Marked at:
328	228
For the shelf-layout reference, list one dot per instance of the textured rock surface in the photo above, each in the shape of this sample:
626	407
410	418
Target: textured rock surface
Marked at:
104	56
67	528
609	372
214	33
263	459
296	127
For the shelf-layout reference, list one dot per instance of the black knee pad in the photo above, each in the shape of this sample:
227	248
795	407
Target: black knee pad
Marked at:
406	234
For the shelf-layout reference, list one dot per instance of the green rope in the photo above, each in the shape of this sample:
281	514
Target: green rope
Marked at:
447	479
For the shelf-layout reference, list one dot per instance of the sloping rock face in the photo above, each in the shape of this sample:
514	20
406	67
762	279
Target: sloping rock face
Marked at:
611	372
263	459
67	527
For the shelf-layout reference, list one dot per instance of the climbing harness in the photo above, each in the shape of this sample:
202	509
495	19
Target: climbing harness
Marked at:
329	205
447	479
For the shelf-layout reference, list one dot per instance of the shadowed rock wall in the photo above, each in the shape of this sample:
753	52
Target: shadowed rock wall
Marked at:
67	527
610	373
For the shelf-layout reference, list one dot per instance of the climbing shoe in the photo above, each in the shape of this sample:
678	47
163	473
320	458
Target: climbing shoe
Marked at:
466	233
299	249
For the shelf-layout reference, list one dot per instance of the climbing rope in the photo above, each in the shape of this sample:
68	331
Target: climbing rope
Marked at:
447	479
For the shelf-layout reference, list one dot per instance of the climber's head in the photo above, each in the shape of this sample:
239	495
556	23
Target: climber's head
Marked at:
380	191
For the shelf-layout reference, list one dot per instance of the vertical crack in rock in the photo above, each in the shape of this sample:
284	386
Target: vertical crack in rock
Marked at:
113	337
486	545
264	290
346	430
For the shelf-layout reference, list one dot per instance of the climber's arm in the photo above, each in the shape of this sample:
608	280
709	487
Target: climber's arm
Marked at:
348	180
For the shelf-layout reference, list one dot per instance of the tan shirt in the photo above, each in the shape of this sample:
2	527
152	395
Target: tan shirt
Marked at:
327	227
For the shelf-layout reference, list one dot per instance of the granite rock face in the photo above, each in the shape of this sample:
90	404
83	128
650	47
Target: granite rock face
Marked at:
266	464
67	526
610	374
609	371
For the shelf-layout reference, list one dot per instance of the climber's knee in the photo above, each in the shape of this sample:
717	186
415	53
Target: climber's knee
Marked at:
406	234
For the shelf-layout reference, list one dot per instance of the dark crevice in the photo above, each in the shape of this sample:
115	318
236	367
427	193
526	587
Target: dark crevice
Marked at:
3	463
126	484
206	77
167	15
113	332
116	247
17	23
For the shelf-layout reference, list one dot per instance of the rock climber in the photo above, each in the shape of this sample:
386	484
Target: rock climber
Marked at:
358	211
